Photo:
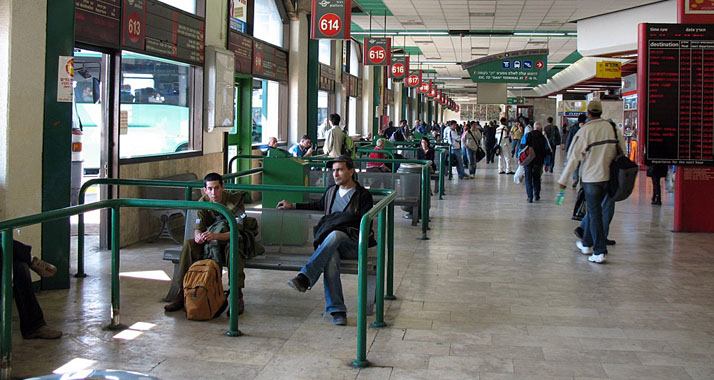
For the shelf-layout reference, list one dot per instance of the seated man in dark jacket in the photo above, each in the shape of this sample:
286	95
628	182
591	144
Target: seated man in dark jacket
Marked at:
335	235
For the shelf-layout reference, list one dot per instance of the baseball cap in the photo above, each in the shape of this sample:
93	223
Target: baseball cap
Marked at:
343	158
595	106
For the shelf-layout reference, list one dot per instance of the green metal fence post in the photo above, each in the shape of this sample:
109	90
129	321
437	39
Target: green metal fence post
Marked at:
381	232
234	261
6	290
425	189
115	320
361	360
442	163
390	253
80	235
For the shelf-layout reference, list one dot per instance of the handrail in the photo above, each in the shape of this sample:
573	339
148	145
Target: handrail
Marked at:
234	176
115	204
189	186
381	208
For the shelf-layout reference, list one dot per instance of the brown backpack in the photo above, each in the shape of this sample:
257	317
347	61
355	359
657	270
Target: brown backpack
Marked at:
203	291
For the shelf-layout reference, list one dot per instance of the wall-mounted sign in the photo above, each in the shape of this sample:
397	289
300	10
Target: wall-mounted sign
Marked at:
522	66
65	73
574	107
414	79
434	91
97	22
399	68
270	62
242	46
699	7
608	69
326	79
238	14
133	23
331	19
675	93
516	100
377	51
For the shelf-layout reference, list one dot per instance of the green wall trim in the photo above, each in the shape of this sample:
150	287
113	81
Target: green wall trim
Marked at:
56	143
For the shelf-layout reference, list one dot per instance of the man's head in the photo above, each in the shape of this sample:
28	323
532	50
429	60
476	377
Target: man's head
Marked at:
582	119
537	126
305	142
424	143
273	142
504	121
402	123
343	169
335	119
213	187
594	109
550	120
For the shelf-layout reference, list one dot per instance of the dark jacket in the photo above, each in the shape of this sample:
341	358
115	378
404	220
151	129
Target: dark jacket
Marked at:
421	155
536	141
359	204
490	134
571	135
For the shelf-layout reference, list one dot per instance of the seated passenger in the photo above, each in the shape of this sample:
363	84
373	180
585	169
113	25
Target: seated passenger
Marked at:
379	167
273	150
301	149
32	321
210	226
426	152
336	235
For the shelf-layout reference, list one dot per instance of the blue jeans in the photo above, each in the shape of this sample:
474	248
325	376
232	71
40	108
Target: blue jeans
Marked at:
533	173
608	212
594	235
326	259
459	163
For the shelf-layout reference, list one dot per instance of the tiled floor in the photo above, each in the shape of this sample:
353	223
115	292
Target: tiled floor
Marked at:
499	292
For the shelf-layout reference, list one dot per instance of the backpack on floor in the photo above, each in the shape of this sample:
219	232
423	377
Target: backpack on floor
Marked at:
203	291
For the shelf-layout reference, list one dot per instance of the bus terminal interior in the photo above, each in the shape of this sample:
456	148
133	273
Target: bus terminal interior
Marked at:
113	112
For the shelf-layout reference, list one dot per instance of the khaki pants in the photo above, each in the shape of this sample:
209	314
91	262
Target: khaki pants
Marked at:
193	252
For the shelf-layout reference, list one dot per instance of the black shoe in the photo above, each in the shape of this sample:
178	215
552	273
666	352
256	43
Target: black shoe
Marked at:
578	232
339	318
511	173
537	197
609	242
299	283
501	172
530	200
176	304
575	185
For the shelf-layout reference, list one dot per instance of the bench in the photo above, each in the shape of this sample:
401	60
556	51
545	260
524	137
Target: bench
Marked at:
169	193
295	227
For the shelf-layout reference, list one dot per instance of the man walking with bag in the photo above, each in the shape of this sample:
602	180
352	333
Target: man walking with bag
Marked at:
594	147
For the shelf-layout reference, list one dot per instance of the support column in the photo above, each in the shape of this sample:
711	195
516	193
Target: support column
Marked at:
313	50
297	119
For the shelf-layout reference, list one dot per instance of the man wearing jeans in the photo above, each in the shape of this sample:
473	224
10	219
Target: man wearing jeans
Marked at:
336	235
594	147
454	139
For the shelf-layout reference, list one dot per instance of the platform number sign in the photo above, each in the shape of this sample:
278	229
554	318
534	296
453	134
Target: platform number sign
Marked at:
425	87
133	18
399	68
376	51
414	79
331	19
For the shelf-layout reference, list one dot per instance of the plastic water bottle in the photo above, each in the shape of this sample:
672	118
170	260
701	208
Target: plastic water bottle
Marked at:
559	198
240	218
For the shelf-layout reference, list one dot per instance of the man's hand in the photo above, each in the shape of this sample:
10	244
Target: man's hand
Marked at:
308	153
198	238
208	236
562	187
285	205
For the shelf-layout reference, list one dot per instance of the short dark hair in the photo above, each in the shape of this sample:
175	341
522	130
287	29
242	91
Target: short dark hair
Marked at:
504	120
212	177
582	118
550	119
427	140
335	119
305	137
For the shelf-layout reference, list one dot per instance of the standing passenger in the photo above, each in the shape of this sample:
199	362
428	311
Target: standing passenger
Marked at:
536	141
490	141
503	136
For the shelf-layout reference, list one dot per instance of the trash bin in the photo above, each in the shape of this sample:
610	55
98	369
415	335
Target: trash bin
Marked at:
409	185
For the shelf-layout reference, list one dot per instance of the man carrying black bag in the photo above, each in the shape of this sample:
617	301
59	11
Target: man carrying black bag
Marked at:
594	147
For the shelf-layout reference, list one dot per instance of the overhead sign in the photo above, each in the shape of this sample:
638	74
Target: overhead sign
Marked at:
242	46
414	79
238	13
377	51
133	23
97	22
433	92
608	69
675	93
522	66
399	68
425	87
331	19
516	100
574	107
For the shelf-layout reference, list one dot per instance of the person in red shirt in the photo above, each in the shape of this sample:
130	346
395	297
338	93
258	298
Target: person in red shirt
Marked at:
379	167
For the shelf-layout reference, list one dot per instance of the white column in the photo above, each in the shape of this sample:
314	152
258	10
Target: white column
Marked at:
297	83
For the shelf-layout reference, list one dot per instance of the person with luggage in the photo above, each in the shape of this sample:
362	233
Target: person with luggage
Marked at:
336	235
534	169
471	141
594	147
204	233
454	139
32	321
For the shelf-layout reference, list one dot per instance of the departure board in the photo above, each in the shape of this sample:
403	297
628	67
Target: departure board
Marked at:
269	62
97	22
678	93
242	45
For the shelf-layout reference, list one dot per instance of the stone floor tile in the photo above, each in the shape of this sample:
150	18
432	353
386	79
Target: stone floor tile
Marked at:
629	371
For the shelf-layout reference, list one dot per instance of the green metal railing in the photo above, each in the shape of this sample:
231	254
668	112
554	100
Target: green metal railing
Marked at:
115	204
188	186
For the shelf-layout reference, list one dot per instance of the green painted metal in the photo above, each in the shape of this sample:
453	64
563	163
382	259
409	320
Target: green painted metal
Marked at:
6	290
571	58
376	93
374	7
428	71
135	182
381	232
245	138
115	323
363	246
56	143
405	95
390	254
313	67
505	33
409	50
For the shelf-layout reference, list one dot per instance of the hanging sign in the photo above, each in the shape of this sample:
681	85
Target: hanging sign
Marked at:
433	92
522	66
331	19
97	22
608	69
425	87
133	23
399	68
414	79
238	13
376	51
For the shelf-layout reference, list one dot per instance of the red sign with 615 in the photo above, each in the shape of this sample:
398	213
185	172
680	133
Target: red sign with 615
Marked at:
377	51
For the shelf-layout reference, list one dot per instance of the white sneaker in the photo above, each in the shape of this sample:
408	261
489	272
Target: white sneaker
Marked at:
583	249
597	259
472	176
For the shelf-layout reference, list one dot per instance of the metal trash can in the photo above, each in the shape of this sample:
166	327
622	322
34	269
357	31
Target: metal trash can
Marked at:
409	185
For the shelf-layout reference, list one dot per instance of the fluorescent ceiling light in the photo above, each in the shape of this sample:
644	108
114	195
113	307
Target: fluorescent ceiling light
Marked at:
423	33
438	63
538	34
450	78
375	33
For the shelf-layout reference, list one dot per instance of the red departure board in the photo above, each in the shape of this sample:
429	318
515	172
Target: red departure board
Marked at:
97	22
677	93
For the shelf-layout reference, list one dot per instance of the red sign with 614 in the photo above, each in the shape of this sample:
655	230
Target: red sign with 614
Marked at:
331	19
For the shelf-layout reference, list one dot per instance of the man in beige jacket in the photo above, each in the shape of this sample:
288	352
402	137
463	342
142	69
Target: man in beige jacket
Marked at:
334	138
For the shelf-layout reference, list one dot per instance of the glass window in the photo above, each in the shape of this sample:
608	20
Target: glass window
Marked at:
323	101
268	26
154	113
352	122
325	54
265	105
354	58
184	5
389	83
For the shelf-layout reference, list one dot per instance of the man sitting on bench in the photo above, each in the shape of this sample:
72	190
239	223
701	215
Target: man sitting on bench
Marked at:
193	249
336	235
